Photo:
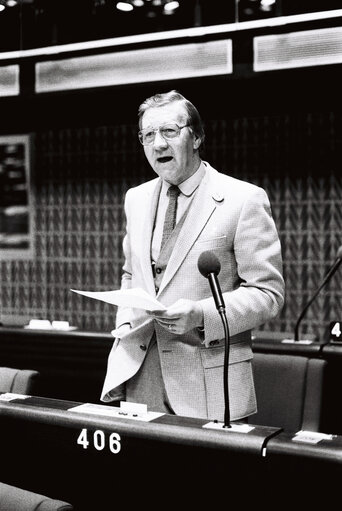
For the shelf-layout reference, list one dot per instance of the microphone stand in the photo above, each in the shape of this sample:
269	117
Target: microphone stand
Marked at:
219	302
326	279
222	313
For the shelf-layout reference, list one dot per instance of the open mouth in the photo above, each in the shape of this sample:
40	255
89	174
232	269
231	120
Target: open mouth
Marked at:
164	159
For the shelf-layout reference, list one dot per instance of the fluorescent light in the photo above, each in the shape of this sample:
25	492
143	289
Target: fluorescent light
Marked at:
2	7
171	6
9	80
136	66
124	6
298	49
267	3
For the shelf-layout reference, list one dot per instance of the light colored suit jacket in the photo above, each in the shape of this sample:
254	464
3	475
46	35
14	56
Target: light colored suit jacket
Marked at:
233	219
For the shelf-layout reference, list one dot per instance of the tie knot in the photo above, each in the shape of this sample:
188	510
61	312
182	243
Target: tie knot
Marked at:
173	191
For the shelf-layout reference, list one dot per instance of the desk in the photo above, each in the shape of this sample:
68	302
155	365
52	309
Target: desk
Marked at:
72	365
308	476
173	457
170	459
271	342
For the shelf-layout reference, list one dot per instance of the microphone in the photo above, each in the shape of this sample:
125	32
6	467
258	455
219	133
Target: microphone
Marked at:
209	266
328	276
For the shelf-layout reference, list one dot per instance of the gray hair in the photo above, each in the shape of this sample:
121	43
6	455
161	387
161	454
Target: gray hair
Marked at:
166	98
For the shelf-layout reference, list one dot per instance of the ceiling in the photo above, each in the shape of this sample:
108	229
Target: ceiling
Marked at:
26	24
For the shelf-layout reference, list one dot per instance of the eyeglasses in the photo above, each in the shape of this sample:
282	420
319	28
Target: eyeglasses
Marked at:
167	131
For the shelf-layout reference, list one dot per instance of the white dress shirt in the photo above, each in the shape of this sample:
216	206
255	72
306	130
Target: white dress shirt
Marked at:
187	189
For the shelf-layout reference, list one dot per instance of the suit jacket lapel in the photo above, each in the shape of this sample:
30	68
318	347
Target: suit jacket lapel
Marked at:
201	209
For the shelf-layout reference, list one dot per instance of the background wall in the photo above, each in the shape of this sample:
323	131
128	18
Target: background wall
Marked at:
86	155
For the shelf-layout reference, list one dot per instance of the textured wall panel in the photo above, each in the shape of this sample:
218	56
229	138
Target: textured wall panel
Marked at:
81	176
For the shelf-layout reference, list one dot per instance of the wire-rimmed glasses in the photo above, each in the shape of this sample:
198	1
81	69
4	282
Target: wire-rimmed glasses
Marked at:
167	131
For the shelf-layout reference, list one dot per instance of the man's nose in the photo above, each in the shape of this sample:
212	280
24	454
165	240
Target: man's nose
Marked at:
159	141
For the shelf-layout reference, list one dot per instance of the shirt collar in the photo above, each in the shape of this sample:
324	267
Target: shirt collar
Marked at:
188	186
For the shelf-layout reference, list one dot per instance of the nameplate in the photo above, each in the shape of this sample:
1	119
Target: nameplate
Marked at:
311	437
119	413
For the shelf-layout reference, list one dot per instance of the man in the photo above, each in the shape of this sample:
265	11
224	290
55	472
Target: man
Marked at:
173	360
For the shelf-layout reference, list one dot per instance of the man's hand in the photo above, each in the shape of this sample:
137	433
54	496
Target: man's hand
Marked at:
182	316
121	330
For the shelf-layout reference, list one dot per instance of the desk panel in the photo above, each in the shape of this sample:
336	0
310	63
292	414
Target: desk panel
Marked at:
176	455
332	405
48	448
307	475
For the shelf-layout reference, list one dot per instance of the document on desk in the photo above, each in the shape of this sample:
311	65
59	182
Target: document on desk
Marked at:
136	297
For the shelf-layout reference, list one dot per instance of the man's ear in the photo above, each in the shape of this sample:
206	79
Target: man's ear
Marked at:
196	142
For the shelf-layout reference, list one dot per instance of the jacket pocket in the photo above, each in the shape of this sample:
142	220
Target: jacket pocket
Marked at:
242	399
214	357
211	243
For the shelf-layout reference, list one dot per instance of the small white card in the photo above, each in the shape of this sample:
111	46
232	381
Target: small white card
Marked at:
8	396
292	341
39	324
236	427
311	437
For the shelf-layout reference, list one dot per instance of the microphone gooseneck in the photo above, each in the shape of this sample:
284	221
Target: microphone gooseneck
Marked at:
209	266
328	276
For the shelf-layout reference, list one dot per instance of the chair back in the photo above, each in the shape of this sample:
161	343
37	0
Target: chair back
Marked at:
289	391
18	381
17	499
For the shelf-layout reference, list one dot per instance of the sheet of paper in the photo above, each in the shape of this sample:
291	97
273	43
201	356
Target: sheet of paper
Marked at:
136	298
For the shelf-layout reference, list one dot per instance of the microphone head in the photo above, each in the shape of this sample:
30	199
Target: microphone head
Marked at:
208	263
339	252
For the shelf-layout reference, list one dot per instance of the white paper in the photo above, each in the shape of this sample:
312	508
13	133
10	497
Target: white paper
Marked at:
136	298
112	411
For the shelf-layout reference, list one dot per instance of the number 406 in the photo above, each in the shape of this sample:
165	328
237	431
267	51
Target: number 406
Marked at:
99	440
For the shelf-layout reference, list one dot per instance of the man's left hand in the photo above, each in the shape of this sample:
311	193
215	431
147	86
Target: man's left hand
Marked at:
182	316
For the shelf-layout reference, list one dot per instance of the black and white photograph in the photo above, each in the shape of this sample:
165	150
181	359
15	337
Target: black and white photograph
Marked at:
170	254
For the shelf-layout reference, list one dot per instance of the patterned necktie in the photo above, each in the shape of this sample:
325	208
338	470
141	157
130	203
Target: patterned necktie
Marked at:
170	215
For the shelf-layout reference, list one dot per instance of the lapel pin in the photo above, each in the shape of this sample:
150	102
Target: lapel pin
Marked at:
218	197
